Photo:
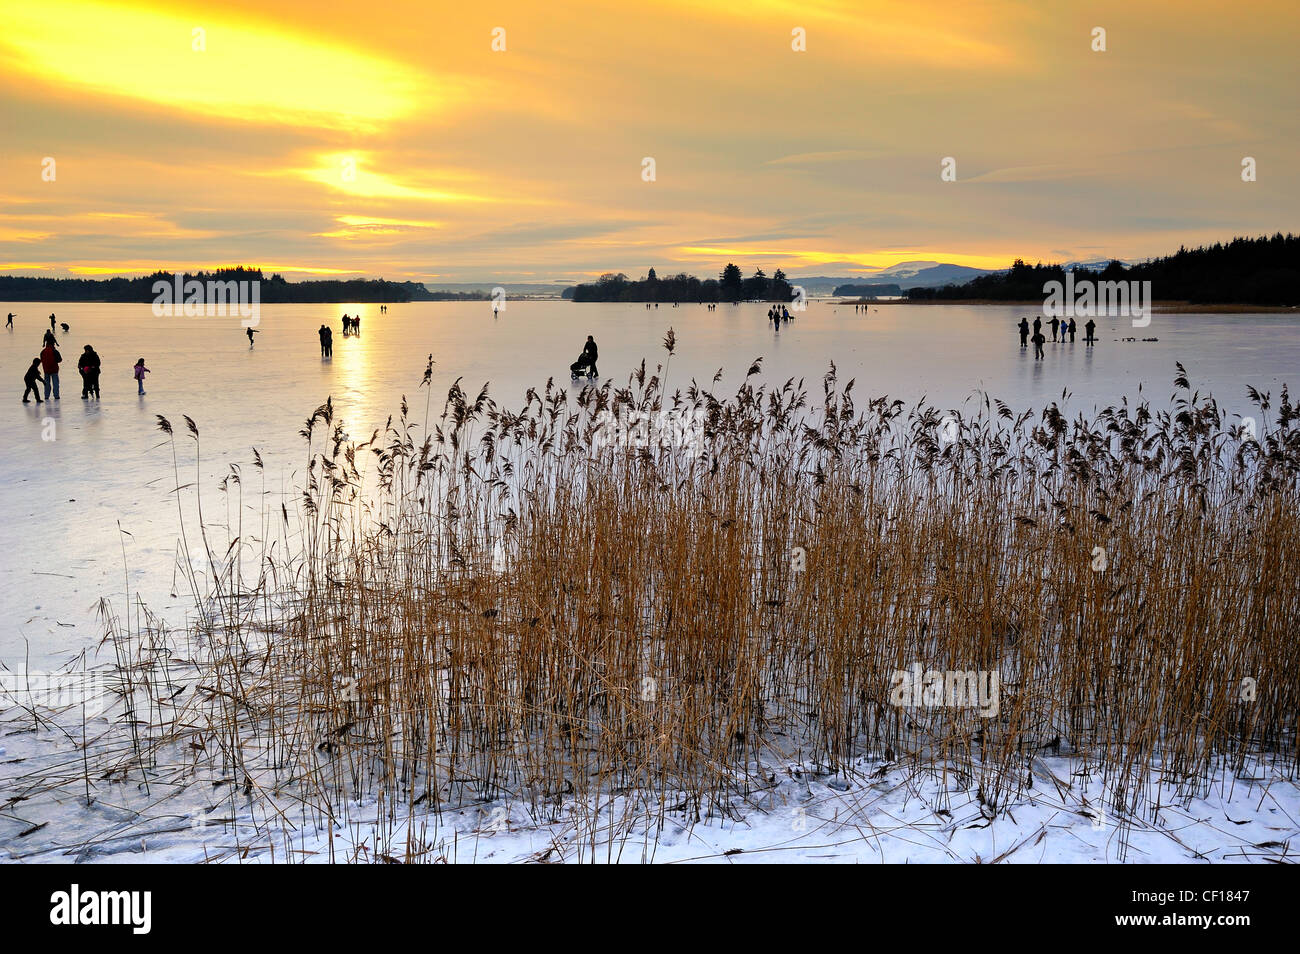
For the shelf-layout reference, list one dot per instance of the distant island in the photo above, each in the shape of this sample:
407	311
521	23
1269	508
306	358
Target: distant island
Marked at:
274	289
730	285
1247	271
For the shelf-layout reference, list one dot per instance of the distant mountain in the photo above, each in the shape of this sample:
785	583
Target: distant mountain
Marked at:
905	274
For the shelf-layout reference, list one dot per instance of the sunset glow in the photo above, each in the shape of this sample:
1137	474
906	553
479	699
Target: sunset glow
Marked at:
399	141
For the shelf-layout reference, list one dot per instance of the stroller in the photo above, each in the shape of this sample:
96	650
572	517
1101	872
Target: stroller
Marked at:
582	364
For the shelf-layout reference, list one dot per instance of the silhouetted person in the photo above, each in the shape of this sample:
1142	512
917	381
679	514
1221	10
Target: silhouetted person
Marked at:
326	342
48	340
587	359
347	323
140	371
31	379
1055	323
251	332
50	360
88	365
356	324
1024	333
1038	325
10	322
1087	332
1072	326
1038	344
51	322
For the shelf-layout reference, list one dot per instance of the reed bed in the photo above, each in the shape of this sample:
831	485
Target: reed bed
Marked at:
533	606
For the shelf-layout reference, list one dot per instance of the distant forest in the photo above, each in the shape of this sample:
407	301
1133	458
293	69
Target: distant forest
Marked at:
1247	271
271	290
730	285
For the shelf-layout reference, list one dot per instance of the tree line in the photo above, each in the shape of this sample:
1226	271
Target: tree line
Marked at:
1248	271
271	290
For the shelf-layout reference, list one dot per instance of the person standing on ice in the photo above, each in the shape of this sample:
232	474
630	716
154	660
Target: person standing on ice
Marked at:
1088	328
1024	333
140	372
326	341
10	322
88	365
50	359
1038	345
31	379
1071	328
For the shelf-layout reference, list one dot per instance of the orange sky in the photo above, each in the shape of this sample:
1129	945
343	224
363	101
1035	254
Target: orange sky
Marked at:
322	138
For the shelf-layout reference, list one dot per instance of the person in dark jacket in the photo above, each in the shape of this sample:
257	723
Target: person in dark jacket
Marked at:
326	342
50	361
1088	329
1072	328
88	365
1024	333
31	379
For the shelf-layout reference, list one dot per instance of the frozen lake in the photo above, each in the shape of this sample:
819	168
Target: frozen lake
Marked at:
108	463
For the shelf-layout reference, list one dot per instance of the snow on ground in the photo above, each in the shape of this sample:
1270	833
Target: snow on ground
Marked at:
876	812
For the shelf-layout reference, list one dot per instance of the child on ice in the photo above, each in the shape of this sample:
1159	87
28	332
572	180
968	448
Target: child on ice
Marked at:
140	372
31	379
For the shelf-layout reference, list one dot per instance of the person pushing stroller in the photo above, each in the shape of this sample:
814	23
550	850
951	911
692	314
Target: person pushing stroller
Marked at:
586	360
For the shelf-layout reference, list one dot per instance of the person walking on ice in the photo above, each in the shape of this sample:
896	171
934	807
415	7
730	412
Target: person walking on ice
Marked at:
251	332
140	372
1038	345
586	360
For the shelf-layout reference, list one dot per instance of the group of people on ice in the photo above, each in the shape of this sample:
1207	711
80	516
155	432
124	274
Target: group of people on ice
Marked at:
777	315
45	368
1060	327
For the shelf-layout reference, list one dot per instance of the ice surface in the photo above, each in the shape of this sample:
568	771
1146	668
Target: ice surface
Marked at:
109	466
